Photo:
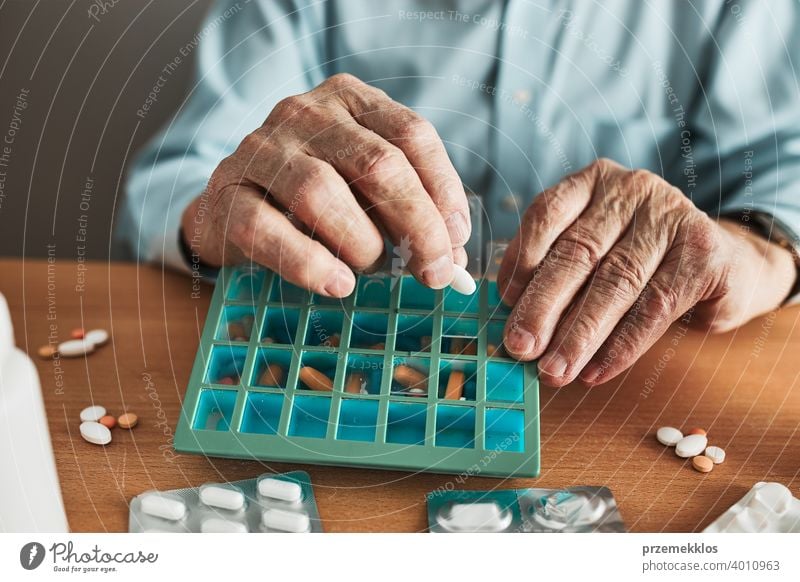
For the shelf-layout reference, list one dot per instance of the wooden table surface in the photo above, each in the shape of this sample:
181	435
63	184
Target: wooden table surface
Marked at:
742	387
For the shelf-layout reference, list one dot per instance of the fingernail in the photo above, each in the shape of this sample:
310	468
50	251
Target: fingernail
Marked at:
519	341
458	228
340	284
438	273
553	364
591	372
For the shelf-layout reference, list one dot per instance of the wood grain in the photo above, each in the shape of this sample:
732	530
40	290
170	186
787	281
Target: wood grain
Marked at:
742	387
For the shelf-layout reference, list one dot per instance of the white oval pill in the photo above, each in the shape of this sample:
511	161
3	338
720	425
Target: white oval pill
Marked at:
93	413
483	516
95	433
280	489
96	337
75	348
219	525
163	506
668	435
691	446
222	497
462	281
716	454
288	521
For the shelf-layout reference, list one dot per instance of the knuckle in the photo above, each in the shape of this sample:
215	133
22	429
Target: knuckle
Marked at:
661	303
252	143
288	107
621	275
415	127
702	236
577	248
379	160
342	80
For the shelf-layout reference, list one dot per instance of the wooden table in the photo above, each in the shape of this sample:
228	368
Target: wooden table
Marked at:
742	387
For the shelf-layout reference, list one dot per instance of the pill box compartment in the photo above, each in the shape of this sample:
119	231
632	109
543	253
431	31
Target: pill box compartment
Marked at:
245	284
236	323
233	408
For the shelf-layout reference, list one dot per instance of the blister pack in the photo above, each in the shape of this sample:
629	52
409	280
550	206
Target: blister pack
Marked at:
571	510
768	507
270	503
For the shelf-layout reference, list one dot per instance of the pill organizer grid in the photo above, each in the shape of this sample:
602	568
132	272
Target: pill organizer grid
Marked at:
492	429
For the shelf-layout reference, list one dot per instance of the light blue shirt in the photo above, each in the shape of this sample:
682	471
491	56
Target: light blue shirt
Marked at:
522	93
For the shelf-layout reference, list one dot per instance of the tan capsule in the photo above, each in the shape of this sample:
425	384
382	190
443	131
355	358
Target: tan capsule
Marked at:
490	350
696	431
47	352
273	375
455	385
334	340
354	383
236	332
425	343
456	345
315	379
108	421
378	346
702	464
410	377
128	420
470	349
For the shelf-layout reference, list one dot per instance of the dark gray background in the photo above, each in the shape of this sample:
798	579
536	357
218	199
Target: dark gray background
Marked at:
86	79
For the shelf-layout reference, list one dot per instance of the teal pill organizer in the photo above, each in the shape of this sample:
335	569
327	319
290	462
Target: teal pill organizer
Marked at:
468	412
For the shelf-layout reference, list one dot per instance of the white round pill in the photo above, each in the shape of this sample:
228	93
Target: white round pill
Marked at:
280	489
75	348
288	521
95	433
222	497
691	446
219	525
163	506
668	436
716	454
93	413
96	337
462	281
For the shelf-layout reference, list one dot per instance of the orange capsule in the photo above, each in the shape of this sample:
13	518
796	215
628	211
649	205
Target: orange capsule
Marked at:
108	421
470	349
410	377
696	431
425	343
273	375
456	345
128	420
378	346
315	379
47	352
77	333
354	383
455	385
334	341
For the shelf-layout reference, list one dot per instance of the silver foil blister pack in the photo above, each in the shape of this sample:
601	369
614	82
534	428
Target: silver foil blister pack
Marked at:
571	510
270	503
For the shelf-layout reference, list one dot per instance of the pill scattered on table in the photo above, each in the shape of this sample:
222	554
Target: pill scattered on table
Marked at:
95	433
77	333
108	421
668	436
696	430
690	446
75	348
716	454
97	337
702	463
47	352
315	379
128	420
273	375
93	413
462	281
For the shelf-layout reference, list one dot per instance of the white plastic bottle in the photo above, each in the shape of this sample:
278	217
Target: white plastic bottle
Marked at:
30	496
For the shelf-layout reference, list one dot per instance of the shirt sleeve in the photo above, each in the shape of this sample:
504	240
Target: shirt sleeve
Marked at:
248	56
747	115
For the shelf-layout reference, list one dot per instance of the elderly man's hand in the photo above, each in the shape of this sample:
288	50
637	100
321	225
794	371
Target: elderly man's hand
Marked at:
607	259
309	192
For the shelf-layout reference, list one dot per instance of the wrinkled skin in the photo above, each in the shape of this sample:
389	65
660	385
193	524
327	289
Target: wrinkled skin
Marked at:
607	259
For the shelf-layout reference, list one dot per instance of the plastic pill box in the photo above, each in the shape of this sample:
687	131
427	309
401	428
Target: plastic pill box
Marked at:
270	503
572	510
768	507
395	376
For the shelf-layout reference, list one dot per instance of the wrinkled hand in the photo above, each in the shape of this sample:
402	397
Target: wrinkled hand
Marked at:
607	259
339	163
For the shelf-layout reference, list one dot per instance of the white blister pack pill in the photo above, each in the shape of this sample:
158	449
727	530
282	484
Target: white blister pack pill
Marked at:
269	503
768	507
